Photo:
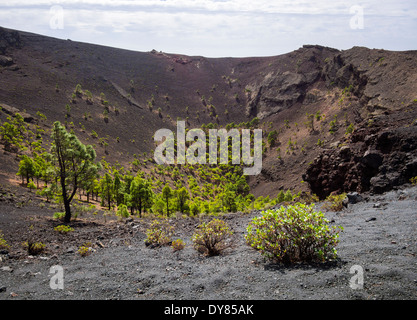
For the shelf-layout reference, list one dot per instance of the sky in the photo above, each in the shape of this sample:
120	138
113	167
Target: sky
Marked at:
219	28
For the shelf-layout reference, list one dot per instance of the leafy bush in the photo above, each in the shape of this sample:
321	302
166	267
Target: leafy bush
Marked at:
212	238
334	202
85	249
178	245
63	229
159	234
34	248
292	234
414	180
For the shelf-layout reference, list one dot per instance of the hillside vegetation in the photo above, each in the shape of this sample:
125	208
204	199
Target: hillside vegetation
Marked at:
309	103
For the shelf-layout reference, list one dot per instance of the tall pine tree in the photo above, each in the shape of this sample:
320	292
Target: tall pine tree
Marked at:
73	161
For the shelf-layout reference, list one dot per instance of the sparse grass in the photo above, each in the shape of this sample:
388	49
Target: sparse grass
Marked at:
3	242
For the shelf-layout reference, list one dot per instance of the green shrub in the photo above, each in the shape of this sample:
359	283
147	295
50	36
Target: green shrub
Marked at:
212	238
334	202
178	245
63	229
34	248
85	249
159	234
291	234
414	180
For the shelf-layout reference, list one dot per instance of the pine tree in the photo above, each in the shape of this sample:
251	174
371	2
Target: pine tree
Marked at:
281	197
167	194
228	197
288	196
106	187
140	194
117	189
26	168
182	197
73	162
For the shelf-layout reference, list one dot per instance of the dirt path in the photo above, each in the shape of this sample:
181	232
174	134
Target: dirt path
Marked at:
379	238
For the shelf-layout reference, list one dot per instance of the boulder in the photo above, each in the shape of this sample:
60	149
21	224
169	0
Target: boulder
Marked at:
354	197
5	61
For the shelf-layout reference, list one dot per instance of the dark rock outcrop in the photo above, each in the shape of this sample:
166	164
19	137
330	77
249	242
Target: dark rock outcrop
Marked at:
376	162
12	111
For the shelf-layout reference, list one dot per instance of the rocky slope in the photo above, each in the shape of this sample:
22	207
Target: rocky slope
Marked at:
366	89
376	158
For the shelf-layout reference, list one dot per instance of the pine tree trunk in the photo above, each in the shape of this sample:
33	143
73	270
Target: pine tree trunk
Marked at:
67	217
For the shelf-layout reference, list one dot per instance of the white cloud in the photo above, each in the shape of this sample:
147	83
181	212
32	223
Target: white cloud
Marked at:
219	28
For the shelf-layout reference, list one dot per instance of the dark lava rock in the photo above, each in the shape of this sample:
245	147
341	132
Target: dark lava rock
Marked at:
354	197
375	162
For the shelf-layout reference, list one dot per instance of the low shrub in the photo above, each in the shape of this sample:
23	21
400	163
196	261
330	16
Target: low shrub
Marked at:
334	202
212	238
296	233
85	249
413	180
178	245
159	233
34	248
63	229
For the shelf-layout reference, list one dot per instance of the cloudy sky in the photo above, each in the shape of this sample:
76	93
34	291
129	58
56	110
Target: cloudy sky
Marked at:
219	28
